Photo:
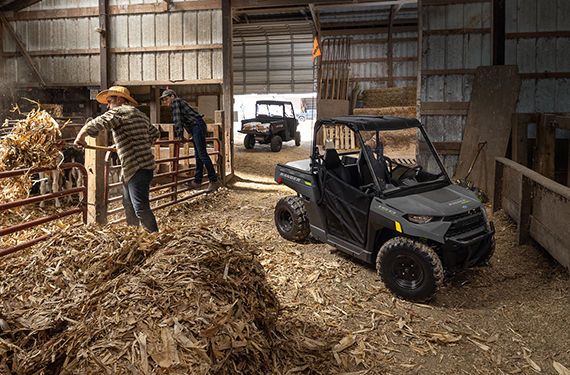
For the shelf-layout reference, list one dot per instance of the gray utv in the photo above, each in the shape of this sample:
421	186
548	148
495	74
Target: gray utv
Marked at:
413	224
273	124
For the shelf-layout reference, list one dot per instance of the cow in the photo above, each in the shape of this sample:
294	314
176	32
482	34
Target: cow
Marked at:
55	180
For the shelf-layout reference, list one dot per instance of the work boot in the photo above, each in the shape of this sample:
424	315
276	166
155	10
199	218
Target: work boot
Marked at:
213	186
193	184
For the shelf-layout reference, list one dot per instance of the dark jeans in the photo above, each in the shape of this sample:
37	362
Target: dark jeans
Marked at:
136	200
202	157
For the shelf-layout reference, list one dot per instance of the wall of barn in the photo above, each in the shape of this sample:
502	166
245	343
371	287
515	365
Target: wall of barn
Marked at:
149	43
369	62
457	39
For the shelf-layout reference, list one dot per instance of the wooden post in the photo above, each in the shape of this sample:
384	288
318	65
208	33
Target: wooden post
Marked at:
525	212
223	159
499	14
546	142
498	191
95	160
95	165
519	139
103	37
154	105
227	85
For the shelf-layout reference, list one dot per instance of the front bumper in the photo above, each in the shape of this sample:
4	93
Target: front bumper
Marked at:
458	253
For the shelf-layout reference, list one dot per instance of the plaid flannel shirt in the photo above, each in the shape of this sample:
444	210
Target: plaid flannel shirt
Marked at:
134	136
184	117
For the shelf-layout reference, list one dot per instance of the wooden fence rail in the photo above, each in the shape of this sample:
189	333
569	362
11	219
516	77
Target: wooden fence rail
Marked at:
538	205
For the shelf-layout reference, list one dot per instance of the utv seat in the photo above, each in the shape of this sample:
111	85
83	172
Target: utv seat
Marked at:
334	165
378	166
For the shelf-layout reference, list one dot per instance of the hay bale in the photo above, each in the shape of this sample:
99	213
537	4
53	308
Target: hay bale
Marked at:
119	300
389	97
409	112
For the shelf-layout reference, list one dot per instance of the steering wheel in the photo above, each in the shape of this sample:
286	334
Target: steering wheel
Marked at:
411	172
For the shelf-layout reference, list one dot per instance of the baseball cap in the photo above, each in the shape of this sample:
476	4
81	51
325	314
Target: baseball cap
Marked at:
167	92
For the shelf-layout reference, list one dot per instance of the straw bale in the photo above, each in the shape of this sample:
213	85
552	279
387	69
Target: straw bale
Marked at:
118	300
408	112
389	97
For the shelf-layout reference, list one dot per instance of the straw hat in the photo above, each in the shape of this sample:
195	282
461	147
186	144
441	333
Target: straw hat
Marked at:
121	91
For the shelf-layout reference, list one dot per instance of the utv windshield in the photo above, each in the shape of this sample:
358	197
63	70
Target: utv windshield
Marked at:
385	163
271	110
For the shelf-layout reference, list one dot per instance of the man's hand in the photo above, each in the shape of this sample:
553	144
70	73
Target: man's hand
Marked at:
80	139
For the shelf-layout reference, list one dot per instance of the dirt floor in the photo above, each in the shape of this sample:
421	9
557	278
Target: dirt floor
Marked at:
511	317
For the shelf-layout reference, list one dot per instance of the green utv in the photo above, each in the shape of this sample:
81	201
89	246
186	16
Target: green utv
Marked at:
413	224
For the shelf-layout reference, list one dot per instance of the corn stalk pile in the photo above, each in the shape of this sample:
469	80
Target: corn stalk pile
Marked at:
32	143
119	300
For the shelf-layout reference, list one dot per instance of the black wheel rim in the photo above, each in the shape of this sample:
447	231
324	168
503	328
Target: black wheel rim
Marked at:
407	272
285	221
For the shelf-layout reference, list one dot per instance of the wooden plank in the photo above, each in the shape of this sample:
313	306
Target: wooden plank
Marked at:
545	141
523	229
444	72
444	108
447	148
488	122
498	191
451	2
457	31
519	139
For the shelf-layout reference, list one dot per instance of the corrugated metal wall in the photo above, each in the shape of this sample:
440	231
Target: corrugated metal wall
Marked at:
538	41
151	46
456	40
273	64
369	62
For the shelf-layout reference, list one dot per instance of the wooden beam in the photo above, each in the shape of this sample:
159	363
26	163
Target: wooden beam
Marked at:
451	2
316	22
227	86
116	10
447	148
16	6
22	47
154	105
499	14
280	3
457	31
538	34
447	72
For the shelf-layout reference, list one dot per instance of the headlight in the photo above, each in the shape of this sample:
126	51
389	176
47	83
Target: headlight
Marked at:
418	219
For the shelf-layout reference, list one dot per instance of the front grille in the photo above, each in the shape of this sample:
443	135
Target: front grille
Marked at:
472	222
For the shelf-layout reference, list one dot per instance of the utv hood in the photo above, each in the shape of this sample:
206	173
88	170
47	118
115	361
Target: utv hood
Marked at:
446	201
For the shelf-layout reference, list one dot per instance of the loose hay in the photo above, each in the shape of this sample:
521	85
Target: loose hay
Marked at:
32	143
119	300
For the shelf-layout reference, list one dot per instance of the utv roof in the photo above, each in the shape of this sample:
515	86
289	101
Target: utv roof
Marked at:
372	123
272	102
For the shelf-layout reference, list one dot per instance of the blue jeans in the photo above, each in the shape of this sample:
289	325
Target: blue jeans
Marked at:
136	200
202	157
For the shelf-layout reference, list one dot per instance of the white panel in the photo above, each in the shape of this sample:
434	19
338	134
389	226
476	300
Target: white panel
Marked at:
122	66
70	41
162	66
175	29
134	35
94	36
473	45
149	66
190	65
176	66
83	32
204	27
545	58
527	15
161	33
135	67
94	66
563	96
545	95
204	64
527	96
526	53
33	43
119	31
511	16
563	54
454	16
546	15
216	26
148	30
454	47
190	20
563	14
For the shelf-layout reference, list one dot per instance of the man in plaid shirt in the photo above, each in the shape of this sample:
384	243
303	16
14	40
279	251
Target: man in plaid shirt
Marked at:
134	136
185	117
